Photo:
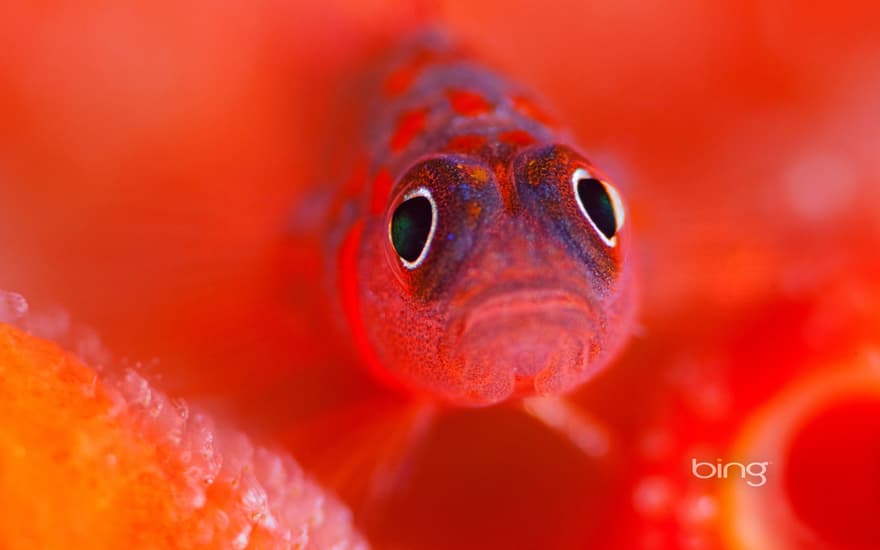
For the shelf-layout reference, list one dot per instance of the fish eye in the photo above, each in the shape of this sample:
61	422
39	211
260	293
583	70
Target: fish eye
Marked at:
600	203
412	227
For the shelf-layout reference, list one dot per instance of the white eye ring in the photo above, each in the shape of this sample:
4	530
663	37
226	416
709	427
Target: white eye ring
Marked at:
426	193
614	198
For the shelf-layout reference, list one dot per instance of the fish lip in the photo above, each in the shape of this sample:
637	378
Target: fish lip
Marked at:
530	296
523	302
522	338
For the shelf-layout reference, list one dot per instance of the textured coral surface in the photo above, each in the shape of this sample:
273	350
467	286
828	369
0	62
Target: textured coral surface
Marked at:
97	462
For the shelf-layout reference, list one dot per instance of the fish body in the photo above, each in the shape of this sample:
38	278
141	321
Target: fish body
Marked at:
474	253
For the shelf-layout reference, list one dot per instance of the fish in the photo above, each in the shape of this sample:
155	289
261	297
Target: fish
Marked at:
473	254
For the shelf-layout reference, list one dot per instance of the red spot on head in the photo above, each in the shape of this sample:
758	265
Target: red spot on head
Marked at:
381	191
353	188
528	108
468	103
401	79
409	125
517	138
468	144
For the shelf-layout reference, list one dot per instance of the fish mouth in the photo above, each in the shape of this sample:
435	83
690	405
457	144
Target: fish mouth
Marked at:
524	340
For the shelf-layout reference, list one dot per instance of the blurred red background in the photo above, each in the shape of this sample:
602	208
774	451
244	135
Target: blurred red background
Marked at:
150	156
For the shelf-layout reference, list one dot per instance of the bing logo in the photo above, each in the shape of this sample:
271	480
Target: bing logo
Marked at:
754	473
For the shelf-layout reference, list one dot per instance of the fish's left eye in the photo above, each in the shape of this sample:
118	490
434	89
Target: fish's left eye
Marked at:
600	203
412	227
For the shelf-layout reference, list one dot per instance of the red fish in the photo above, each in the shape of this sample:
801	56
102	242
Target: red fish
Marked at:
476	254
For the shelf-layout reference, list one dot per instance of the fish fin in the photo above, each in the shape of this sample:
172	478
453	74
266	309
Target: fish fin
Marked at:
366	450
559	414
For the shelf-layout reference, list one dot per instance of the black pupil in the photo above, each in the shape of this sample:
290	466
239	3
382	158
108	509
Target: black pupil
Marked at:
598	205
410	226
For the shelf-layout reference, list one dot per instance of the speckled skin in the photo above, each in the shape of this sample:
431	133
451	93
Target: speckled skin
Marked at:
517	295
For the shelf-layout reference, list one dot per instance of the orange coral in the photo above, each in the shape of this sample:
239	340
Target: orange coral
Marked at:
94	461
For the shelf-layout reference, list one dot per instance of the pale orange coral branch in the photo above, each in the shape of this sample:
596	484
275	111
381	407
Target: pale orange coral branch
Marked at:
91	460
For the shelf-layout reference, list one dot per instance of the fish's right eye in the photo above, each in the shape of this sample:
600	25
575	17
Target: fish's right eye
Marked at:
412	227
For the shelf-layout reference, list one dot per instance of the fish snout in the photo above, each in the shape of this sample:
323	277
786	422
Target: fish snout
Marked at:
524	342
